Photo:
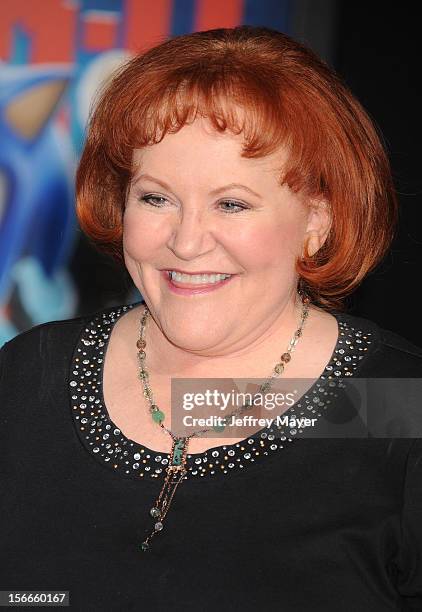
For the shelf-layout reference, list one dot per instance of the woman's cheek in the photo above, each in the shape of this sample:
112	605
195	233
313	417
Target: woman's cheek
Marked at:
139	238
266	245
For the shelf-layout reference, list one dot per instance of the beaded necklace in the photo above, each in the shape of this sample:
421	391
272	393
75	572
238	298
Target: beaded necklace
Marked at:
176	469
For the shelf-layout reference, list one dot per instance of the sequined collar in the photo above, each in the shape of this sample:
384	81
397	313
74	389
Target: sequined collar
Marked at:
108	445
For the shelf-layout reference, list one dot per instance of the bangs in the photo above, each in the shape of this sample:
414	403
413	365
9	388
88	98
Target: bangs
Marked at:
239	102
229	105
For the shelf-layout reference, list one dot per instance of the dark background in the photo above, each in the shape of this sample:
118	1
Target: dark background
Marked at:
375	48
378	54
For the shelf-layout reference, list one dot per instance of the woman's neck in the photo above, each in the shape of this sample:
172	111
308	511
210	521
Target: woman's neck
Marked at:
263	346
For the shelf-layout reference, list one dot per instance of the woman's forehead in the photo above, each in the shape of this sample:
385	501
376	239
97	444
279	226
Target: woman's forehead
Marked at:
198	144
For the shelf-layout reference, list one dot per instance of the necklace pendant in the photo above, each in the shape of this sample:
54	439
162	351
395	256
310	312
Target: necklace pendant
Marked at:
178	452
175	473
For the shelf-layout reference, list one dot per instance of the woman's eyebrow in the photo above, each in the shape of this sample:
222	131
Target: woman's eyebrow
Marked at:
217	191
148	177
235	186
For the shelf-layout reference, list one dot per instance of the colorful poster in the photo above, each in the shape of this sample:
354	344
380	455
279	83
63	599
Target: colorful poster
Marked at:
54	54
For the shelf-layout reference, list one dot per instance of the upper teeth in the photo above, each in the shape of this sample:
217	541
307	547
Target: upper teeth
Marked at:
197	279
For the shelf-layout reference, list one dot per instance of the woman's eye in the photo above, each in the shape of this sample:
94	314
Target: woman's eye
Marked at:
229	206
154	200
232	206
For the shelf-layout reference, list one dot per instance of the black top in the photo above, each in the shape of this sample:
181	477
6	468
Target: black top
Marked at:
277	521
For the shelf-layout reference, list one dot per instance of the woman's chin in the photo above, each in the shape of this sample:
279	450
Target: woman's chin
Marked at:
198	338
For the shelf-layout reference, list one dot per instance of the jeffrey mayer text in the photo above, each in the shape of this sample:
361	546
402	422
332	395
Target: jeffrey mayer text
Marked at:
280	421
248	420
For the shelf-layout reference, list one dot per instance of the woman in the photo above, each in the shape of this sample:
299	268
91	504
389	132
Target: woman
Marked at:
228	169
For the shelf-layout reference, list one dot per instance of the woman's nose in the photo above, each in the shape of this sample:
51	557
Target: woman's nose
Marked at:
192	235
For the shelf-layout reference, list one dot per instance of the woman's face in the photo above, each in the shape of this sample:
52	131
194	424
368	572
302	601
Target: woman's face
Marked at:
195	205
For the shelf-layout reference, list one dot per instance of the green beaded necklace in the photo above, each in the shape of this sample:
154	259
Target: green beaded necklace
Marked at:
176	469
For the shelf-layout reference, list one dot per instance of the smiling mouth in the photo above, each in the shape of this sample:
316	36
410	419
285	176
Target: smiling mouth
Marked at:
196	280
195	284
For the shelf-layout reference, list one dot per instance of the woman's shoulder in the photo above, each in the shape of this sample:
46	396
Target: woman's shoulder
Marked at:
53	337
45	335
390	354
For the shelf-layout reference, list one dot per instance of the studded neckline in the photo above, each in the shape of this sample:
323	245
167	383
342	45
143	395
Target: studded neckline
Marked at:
107	444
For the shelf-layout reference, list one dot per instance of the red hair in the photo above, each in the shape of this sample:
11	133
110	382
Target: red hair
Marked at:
289	98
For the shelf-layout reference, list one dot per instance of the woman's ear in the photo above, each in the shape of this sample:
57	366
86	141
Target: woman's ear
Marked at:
318	227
